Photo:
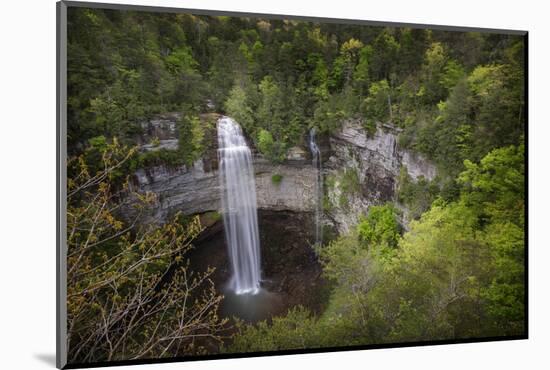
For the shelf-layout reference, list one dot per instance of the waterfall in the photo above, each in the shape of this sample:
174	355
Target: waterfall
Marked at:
316	154
238	196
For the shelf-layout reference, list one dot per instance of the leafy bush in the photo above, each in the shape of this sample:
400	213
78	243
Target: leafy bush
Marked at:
296	330
376	106
276	178
330	113
190	137
380	226
239	107
161	157
268	147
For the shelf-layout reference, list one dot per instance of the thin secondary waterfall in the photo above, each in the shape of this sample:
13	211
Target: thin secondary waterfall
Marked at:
238	195
316	154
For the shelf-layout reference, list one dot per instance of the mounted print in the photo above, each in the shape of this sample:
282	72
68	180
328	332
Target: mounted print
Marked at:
236	185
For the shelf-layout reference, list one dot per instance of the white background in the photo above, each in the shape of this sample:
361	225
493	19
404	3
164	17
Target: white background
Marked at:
27	182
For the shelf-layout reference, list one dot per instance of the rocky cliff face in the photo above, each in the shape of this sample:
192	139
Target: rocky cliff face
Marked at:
362	171
359	171
193	190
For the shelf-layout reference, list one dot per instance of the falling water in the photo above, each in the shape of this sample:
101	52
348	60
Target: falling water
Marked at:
238	194
316	154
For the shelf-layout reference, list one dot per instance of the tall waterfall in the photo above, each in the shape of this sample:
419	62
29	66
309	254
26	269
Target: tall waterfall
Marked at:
316	154
238	195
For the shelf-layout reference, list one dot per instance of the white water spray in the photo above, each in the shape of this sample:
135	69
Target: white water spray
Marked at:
316	154
238	195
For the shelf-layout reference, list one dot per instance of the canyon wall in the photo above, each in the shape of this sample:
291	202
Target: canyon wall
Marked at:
373	163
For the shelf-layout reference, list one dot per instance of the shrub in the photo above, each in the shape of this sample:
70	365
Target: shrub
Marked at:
276	179
380	226
190	137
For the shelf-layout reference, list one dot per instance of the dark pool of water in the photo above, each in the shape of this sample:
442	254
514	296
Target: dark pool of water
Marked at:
251	307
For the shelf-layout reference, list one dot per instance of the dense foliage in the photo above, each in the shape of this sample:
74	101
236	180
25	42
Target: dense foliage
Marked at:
457	95
457	273
130	291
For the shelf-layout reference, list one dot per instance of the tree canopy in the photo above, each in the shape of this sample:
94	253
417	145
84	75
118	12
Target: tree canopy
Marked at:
457	95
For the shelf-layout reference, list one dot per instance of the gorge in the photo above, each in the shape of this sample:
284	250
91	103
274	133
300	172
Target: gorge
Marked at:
376	160
293	213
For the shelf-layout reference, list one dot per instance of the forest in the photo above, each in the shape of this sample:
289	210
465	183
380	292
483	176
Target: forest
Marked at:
453	269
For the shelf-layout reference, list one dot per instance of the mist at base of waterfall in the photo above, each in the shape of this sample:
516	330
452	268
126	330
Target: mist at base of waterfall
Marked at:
250	307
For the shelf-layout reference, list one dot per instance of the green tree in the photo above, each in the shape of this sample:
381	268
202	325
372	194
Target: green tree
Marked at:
497	105
361	77
385	50
320	75
190	137
379	227
239	107
118	109
377	106
268	146
344	65
329	114
452	73
433	71
495	188
119	305
456	273
221	74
